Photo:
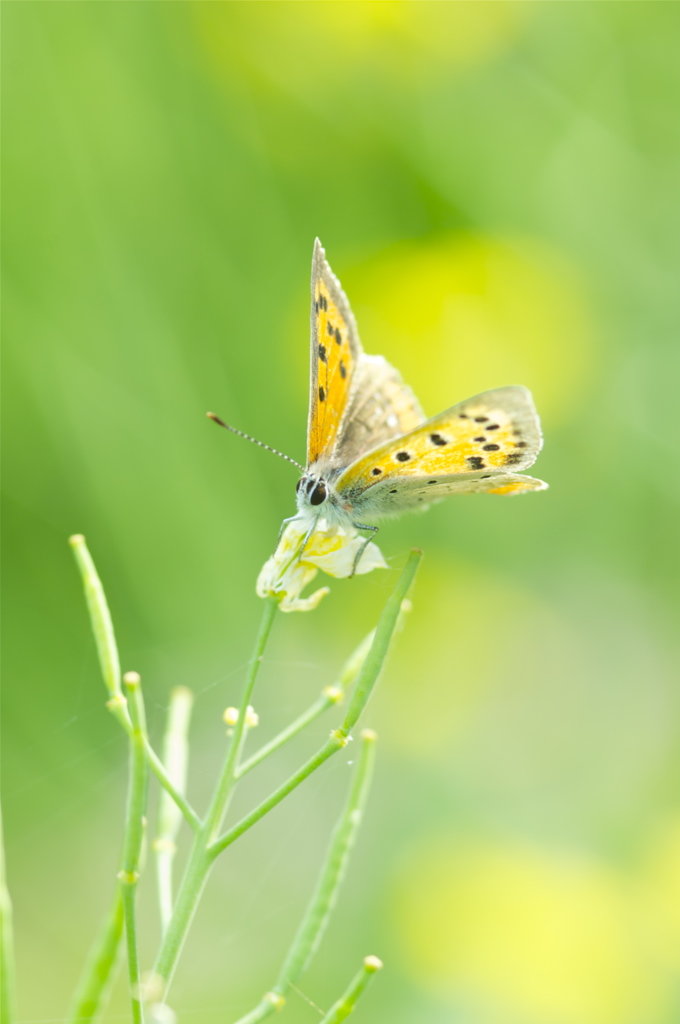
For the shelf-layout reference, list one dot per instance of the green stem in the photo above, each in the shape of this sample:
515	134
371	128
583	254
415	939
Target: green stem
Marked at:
97	979
227	777
191	887
347	1002
7	985
200	859
325	895
269	1003
321	904
175	757
134	835
156	766
375	659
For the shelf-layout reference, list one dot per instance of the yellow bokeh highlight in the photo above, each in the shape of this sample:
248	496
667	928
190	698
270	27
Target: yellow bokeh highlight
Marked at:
318	43
659	892
465	313
521	933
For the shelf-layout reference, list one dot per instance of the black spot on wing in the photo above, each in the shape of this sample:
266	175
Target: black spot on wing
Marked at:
491	447
438	439
402	456
476	461
323	355
322	395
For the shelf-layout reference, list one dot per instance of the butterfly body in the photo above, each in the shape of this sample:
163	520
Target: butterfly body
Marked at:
371	452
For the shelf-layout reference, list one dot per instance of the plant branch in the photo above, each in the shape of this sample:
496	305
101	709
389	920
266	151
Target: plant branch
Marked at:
175	757
157	767
327	699
325	894
200	860
335	742
227	778
322	902
7	976
329	696
98	975
367	678
347	1002
375	659
134	835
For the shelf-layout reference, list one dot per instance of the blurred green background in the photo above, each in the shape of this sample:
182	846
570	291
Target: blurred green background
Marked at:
496	185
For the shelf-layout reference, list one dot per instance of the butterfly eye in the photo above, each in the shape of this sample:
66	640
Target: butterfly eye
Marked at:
318	495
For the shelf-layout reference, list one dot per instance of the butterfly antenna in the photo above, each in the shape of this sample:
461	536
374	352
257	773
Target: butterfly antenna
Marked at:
221	423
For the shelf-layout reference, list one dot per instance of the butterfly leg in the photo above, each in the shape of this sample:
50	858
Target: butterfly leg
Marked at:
362	526
284	524
309	533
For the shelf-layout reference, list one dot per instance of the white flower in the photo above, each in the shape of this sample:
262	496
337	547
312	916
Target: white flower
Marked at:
286	574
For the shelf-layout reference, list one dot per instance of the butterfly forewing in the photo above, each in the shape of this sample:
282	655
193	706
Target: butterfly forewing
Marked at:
335	352
495	432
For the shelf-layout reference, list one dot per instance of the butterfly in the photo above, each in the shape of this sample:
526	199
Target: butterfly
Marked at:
371	451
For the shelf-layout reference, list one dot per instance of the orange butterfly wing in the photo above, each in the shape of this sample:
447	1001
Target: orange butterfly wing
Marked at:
335	353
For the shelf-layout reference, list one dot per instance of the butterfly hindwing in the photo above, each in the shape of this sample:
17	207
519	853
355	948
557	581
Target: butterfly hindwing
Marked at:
495	432
381	407
404	494
335	353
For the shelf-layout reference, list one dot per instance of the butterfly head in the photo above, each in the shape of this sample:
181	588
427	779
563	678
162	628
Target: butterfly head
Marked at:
312	493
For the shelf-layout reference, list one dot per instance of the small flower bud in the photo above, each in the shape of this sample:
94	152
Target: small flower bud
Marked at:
334	693
372	963
230	716
151	987
161	1013
277	1001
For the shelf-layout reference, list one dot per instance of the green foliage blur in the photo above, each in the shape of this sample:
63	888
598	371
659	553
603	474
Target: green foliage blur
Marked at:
496	186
